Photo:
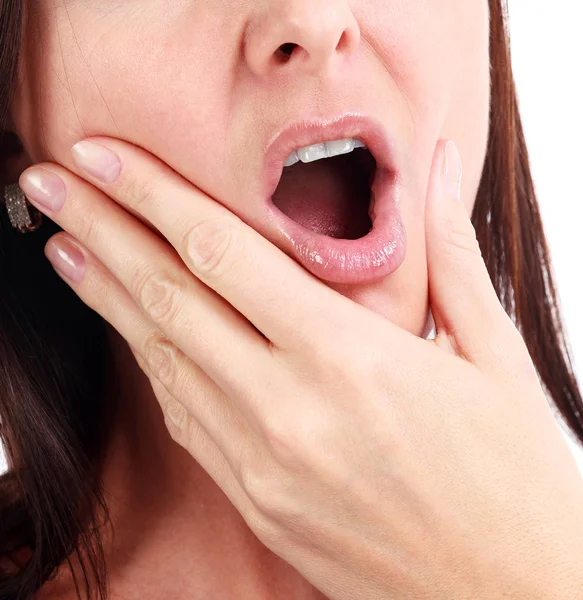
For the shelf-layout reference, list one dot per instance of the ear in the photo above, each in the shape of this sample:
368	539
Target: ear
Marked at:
13	159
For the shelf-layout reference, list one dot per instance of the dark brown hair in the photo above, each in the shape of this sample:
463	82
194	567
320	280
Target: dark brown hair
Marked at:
53	371
53	352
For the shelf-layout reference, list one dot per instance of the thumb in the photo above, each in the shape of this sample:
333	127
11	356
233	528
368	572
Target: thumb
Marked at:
463	301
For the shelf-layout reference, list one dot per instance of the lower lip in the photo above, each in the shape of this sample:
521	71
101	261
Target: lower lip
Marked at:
366	260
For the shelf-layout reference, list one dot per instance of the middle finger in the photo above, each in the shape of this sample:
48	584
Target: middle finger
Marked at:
196	319
209	425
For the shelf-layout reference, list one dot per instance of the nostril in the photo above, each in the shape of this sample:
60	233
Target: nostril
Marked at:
344	42
285	51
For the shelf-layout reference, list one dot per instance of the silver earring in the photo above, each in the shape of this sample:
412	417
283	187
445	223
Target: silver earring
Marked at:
22	214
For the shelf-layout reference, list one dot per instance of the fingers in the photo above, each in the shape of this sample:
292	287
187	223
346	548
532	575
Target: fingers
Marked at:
198	415
463	301
187	432
260	281
195	318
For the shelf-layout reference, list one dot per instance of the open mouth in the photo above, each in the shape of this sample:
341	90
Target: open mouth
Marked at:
332	190
326	188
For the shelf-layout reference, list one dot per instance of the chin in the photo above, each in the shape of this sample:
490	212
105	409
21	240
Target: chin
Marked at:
401	307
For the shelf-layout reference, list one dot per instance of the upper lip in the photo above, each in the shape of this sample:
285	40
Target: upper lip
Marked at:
313	131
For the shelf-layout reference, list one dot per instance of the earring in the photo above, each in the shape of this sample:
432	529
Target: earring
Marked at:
22	214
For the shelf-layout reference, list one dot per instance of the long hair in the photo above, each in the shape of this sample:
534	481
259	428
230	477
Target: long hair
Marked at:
53	374
53	351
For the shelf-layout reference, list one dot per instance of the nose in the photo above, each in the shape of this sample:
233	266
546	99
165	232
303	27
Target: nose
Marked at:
301	35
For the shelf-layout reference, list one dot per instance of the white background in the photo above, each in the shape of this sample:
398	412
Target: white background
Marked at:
547	51
547	48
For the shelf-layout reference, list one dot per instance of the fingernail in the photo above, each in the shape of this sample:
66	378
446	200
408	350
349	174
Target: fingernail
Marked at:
452	170
66	259
98	161
43	188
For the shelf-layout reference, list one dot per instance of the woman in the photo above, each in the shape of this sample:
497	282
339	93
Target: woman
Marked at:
310	442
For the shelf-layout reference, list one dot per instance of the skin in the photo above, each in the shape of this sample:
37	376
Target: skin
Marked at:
318	447
115	69
431	81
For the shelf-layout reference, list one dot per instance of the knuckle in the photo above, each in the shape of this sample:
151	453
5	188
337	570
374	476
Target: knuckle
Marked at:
159	294
138	191
461	234
265	491
177	419
88	229
263	527
291	441
254	482
212	247
280	439
160	358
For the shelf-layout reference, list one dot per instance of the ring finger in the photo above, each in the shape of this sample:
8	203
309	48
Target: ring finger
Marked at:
194	317
200	417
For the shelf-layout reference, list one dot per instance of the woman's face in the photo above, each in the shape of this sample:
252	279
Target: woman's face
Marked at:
201	84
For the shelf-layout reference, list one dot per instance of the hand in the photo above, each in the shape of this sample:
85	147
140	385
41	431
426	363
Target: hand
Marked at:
410	468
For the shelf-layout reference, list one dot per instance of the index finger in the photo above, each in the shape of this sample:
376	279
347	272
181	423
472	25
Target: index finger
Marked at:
264	284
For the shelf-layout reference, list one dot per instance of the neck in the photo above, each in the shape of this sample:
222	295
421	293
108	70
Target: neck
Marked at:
175	531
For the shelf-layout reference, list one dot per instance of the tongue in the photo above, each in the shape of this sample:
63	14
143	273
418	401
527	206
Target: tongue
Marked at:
328	196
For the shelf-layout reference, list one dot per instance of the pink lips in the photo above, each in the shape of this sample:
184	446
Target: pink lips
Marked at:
365	260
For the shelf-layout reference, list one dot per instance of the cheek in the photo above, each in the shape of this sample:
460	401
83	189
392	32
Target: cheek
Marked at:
165	95
467	121
181	117
438	55
442	71
174	97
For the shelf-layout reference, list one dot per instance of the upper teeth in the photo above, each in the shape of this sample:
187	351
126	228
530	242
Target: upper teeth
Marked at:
322	150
